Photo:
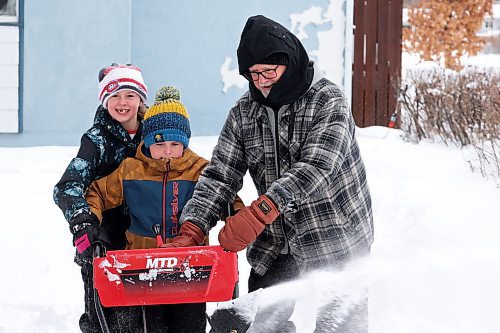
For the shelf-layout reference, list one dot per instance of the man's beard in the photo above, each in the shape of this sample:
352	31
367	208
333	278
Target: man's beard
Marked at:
265	93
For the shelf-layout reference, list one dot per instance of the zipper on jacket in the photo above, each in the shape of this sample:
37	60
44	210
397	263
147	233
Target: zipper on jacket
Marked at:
277	144
164	203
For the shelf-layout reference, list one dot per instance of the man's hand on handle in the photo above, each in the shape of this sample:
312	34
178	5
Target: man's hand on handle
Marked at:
189	235
244	227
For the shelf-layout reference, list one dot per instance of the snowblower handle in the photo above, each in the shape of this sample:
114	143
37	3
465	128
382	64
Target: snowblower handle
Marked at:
99	250
157	231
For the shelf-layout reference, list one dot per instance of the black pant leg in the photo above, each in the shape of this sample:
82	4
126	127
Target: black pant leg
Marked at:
283	269
126	319
274	318
354	321
176	318
119	319
190	318
89	322
115	222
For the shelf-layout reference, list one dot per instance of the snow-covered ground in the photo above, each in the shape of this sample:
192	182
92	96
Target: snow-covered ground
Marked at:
435	264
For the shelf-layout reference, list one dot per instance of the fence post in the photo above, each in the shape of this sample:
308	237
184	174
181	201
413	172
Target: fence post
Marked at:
377	60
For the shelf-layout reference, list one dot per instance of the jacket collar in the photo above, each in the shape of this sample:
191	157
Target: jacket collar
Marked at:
103	118
258	110
180	164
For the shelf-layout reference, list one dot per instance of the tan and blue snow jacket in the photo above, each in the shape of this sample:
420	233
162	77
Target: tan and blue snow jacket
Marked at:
155	192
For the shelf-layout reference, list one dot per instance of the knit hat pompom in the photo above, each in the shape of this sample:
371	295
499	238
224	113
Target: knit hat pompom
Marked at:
167	119
166	93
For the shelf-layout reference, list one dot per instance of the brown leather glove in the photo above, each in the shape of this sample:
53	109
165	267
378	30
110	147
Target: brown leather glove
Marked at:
189	235
244	227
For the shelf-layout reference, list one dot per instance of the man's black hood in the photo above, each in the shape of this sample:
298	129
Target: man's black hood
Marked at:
262	37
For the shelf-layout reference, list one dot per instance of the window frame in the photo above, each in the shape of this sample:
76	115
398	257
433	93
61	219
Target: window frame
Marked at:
17	21
14	20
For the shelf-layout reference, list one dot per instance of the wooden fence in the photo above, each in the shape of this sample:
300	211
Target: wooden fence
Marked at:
377	60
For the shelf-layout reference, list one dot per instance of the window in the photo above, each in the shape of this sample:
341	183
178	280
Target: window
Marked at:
8	11
9	66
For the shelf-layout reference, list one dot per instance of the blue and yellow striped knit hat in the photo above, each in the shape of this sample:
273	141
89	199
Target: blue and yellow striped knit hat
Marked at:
167	119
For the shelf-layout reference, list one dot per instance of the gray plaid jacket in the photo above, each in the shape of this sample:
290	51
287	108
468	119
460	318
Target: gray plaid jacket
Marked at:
322	194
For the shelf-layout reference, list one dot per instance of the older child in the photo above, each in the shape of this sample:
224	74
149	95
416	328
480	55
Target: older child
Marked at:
115	135
156	184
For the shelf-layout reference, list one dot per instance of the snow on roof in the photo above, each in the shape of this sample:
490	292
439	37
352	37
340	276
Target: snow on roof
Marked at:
496	10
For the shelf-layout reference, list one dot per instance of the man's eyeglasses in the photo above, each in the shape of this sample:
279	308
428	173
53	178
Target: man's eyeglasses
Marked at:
267	74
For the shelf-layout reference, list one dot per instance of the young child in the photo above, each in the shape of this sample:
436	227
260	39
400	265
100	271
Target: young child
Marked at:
156	184
115	135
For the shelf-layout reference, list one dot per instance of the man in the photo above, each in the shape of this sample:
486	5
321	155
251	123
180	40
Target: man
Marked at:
294	132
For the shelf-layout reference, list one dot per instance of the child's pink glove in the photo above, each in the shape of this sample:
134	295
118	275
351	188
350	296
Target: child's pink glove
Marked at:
87	232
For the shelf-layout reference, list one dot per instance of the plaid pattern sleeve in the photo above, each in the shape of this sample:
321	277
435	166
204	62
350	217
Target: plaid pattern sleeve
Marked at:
221	180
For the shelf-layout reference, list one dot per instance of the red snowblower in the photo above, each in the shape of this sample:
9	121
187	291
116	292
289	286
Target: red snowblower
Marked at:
163	276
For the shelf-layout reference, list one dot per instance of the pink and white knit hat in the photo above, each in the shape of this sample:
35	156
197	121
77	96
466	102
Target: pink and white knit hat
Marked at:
121	77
